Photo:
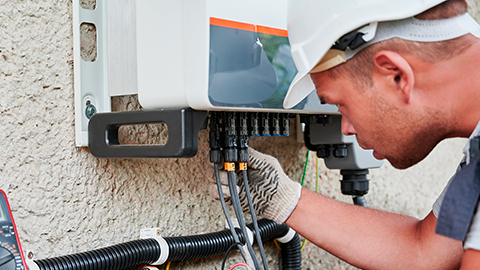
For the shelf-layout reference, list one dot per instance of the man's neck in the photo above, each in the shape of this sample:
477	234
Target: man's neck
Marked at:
455	87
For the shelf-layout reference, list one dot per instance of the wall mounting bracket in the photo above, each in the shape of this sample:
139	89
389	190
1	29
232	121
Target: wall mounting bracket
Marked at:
183	126
113	72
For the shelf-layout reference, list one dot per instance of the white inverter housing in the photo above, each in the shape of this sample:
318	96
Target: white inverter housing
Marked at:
216	55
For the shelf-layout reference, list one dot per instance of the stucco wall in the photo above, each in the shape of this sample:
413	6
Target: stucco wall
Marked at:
65	200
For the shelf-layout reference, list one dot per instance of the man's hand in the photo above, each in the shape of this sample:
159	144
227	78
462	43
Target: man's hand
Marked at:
274	195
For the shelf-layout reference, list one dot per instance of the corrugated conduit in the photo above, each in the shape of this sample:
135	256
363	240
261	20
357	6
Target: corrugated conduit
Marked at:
148	251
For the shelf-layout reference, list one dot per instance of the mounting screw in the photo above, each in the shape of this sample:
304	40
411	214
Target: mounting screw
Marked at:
90	110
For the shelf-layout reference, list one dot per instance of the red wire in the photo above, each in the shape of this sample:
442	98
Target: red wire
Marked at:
239	264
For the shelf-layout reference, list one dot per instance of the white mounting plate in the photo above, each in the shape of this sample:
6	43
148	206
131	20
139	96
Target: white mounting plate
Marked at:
114	71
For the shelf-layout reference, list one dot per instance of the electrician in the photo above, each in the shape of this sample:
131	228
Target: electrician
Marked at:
405	75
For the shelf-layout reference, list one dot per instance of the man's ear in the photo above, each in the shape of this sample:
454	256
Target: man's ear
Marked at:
396	71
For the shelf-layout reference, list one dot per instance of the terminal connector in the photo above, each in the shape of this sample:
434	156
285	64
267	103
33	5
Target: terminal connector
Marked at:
215	153
285	122
229	123
265	124
254	125
276	130
243	155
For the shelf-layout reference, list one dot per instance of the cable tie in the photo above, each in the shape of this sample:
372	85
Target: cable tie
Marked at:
156	233
288	237
250	235
31	264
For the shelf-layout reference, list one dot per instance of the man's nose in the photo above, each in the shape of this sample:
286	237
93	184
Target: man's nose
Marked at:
347	127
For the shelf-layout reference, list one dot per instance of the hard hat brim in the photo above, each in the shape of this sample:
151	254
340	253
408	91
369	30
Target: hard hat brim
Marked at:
301	86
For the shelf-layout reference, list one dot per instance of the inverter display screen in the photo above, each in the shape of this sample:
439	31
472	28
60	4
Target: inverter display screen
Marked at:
251	66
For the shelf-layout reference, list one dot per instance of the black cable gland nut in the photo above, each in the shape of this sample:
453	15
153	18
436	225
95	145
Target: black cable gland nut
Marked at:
215	156
243	155
354	174
355	182
340	150
354	188
323	151
230	155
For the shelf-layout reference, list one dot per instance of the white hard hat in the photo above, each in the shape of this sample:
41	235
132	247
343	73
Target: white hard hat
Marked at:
315	25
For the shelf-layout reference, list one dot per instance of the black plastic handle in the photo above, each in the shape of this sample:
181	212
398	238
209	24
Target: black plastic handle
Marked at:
183	127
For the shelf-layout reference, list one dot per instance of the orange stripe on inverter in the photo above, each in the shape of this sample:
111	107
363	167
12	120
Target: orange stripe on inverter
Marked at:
248	27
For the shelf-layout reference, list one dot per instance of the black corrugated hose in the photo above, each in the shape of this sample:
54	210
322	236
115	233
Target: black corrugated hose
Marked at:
122	256
141	252
291	254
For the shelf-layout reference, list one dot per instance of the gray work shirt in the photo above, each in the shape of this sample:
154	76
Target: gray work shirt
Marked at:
472	240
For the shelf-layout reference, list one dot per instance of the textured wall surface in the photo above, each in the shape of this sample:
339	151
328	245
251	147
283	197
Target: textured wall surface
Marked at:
65	200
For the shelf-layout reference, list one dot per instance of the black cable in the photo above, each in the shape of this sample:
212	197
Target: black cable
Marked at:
254	220
360	200
226	253
226	213
232	184
243	158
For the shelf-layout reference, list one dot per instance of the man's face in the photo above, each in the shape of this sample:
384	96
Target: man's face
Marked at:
380	120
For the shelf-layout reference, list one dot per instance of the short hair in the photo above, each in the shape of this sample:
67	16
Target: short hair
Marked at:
359	69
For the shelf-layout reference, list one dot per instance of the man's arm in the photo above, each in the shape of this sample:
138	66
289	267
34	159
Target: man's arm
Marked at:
364	237
471	260
373	239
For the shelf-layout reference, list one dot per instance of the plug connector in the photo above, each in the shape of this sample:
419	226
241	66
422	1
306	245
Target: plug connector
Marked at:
215	153
229	129
255	124
243	155
265	124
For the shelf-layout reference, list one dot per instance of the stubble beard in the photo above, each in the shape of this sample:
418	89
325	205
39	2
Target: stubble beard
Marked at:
410	137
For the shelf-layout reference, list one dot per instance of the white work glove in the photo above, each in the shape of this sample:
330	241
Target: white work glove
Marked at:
274	195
